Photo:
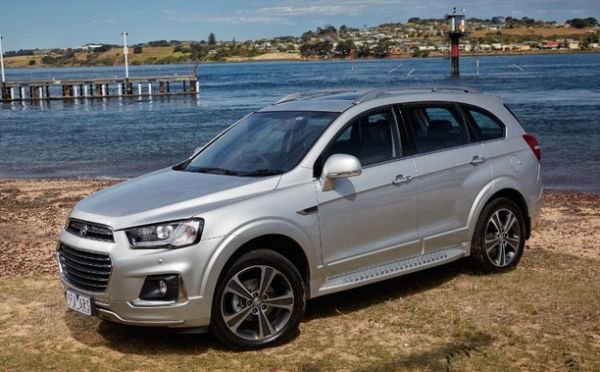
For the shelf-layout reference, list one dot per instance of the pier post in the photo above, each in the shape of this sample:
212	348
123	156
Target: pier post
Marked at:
161	87
120	89
75	91
197	86
184	87
47	91
22	93
12	94
3	92
103	90
149	89
139	89
41	94
86	90
168	87
129	88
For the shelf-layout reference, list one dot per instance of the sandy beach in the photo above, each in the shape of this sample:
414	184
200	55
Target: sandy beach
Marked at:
542	315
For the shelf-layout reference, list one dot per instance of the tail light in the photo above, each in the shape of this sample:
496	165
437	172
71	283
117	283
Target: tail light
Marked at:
533	144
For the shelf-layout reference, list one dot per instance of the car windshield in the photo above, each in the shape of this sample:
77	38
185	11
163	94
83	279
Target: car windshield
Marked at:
263	144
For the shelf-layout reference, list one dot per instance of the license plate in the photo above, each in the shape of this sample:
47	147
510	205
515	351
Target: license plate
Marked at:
79	302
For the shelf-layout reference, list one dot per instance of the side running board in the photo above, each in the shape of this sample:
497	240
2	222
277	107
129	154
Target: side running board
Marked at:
392	269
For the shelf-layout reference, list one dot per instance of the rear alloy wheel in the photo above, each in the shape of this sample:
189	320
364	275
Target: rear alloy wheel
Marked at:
260	301
499	236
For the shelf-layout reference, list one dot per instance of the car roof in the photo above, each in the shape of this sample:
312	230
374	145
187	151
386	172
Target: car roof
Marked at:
341	100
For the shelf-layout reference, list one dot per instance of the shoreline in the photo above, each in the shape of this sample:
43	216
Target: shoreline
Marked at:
547	189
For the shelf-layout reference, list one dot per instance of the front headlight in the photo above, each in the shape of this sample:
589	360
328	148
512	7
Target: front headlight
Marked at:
175	234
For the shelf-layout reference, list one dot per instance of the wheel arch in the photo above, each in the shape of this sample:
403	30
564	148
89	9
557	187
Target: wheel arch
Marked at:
517	197
280	236
282	244
500	187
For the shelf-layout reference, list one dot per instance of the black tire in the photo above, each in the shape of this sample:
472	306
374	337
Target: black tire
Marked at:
489	260
226	303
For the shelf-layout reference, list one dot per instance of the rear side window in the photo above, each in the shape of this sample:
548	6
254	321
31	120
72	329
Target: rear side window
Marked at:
436	128
487	127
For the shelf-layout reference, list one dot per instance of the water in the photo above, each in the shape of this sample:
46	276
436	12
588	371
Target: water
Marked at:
557	98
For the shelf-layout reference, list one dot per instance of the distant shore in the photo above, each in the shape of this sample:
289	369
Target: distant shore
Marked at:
18	62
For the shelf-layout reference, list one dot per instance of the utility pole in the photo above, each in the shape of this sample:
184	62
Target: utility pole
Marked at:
2	60
125	53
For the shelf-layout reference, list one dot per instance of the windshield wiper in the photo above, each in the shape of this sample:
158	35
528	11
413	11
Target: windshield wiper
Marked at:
262	173
212	170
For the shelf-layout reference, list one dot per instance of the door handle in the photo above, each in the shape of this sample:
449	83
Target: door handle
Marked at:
402	180
478	160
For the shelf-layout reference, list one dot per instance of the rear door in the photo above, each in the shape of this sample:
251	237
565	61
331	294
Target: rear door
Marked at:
451	167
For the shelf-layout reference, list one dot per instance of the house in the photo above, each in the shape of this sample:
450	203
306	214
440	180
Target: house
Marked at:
550	44
91	47
522	47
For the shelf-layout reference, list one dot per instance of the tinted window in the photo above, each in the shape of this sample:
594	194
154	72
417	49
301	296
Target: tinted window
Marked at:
486	126
436	128
371	139
263	143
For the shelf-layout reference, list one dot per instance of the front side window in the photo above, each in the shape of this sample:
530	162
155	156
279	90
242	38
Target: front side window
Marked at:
486	126
264	143
371	138
436	128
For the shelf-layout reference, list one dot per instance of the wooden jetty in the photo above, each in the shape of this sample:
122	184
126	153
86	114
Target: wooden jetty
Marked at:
147	86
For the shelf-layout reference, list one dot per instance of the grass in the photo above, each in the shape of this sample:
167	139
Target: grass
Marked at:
543	32
543	315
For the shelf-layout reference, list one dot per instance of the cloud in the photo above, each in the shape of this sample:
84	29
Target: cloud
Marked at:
235	18
109	21
282	14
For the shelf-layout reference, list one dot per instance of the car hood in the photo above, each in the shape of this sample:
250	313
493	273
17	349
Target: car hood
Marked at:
167	195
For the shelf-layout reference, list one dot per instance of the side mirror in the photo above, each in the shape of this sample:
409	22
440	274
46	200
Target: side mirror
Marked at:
339	166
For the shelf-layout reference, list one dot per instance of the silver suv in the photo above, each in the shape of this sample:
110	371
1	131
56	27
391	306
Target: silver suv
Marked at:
318	193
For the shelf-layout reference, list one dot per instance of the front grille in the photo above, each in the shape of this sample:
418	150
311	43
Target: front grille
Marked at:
90	230
83	269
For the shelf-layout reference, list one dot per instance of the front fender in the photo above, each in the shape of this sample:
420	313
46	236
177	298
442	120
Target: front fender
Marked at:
248	232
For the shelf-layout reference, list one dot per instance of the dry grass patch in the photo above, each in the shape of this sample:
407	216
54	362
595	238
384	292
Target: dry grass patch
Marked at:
543	315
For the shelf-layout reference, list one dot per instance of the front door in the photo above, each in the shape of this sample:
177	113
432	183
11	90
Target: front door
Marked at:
370	218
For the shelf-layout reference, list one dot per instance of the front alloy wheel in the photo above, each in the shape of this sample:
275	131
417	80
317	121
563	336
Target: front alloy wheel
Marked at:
259	302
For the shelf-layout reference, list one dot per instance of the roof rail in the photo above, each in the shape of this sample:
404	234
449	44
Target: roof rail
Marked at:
374	93
314	94
371	94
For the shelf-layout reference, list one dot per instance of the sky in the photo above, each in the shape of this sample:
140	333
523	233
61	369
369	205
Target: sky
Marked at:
71	23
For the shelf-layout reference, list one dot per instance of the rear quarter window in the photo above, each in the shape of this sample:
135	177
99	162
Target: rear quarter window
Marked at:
485	124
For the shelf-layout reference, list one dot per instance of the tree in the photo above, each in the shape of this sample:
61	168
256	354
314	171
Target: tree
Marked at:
344	47
582	22
212	40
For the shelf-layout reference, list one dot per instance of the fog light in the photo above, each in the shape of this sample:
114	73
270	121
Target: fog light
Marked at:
163	287
160	288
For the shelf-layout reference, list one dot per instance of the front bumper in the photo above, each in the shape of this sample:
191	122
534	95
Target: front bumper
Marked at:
130	267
